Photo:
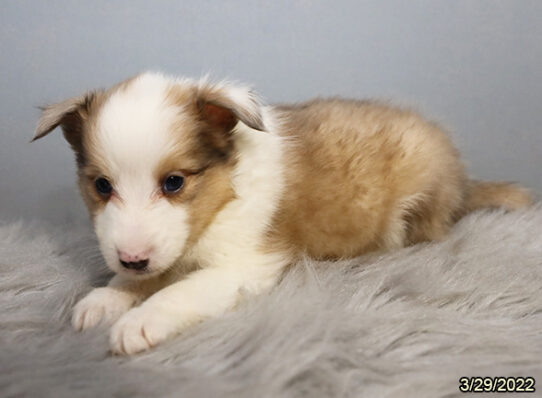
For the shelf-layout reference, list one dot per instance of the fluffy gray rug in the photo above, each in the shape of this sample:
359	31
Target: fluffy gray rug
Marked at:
406	324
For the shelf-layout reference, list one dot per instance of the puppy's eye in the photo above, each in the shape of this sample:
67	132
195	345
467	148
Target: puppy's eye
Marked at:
103	186
173	184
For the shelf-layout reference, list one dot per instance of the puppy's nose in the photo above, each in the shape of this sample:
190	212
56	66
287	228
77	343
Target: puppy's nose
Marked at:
137	265
134	261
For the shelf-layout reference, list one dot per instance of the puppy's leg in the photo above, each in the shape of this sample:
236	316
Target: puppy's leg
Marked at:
432	219
205	293
107	304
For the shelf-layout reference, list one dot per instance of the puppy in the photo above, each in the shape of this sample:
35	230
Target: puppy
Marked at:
197	192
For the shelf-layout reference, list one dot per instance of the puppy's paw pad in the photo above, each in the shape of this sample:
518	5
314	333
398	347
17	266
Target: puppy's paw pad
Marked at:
100	305
140	329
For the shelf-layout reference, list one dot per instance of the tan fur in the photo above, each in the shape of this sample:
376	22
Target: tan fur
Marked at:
364	176
207	189
496	194
204	156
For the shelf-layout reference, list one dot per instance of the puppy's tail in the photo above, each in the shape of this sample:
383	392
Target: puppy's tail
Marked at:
506	195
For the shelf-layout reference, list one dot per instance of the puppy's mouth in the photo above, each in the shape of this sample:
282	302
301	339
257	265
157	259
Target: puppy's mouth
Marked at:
140	265
138	269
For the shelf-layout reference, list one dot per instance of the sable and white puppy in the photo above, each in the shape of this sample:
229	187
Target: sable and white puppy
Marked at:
198	192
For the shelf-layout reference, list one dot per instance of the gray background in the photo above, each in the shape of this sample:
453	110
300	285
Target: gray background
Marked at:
473	66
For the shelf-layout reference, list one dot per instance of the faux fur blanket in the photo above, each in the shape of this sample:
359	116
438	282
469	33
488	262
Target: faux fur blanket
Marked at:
404	324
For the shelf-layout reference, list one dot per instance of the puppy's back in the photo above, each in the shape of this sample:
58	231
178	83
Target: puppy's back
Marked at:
363	176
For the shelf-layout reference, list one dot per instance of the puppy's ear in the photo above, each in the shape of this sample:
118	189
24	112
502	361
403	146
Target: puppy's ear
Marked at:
223	106
70	115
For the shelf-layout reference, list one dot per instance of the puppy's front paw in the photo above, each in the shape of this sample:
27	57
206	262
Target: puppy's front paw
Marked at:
103	304
142	328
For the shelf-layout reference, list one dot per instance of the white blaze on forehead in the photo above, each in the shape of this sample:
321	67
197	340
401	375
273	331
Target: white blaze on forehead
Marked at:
134	124
133	134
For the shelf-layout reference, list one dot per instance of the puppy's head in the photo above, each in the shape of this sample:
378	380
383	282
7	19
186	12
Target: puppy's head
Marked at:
155	158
